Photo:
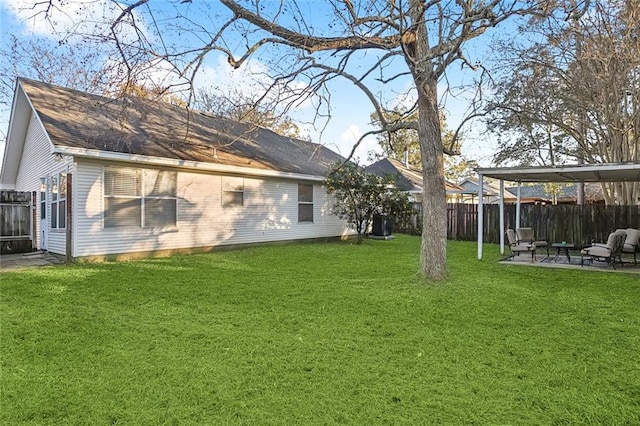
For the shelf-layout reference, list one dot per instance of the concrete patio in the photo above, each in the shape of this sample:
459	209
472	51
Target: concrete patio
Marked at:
551	261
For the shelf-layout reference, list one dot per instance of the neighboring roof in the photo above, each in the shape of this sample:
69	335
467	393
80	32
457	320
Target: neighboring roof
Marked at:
407	178
605	172
138	126
593	191
488	188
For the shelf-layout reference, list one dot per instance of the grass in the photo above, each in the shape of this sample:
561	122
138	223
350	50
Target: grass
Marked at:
318	334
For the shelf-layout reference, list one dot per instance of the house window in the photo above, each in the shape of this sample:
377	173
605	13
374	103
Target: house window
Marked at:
305	203
232	191
59	201
160	198
43	199
137	198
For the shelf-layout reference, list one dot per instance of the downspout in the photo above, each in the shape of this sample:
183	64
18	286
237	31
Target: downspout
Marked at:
34	218
70	218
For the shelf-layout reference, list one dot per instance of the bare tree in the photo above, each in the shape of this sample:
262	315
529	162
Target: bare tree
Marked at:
372	44
574	95
239	106
77	67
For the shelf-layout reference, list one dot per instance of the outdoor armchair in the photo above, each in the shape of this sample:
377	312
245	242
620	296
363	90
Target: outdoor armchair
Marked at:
608	252
526	236
632	243
517	247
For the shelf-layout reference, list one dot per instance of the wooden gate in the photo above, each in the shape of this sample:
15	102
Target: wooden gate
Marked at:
15	222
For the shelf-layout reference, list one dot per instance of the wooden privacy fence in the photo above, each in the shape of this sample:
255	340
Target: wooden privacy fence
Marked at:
572	223
15	222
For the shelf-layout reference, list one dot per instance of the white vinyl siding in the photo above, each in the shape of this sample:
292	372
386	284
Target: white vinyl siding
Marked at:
269	213
37	162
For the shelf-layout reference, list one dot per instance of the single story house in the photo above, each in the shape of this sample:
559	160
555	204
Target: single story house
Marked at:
490	191
409	178
130	177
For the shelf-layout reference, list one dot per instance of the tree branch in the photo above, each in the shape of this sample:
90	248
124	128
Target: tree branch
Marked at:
311	43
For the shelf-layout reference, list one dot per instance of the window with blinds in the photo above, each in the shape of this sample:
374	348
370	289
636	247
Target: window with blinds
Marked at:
139	198
232	191
305	203
160	198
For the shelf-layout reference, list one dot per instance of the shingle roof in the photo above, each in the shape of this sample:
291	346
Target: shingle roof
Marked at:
159	129
488	188
593	191
407	178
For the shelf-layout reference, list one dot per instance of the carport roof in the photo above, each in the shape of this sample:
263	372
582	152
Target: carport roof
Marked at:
604	172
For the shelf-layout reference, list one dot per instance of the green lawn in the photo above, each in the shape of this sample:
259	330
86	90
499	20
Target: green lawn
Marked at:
319	334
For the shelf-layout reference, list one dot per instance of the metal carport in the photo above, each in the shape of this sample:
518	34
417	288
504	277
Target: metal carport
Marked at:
605	172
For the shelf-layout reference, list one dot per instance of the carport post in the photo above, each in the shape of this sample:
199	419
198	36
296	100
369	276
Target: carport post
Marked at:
501	216
34	218
518	206
480	214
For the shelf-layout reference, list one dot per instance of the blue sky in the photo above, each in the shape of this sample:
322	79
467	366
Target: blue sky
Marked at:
350	113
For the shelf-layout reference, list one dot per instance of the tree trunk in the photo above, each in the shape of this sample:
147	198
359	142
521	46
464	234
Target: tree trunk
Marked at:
433	256
433	253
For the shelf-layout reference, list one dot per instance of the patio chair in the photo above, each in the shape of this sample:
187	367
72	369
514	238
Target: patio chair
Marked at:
516	247
526	236
608	252
632	243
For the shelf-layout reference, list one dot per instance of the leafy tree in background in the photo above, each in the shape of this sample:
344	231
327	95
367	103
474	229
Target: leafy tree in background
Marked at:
359	195
456	166
394	144
459	168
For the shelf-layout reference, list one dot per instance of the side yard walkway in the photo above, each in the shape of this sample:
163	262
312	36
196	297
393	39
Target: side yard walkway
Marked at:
12	262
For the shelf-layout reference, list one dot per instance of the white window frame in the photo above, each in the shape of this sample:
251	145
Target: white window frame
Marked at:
43	199
148	197
140	193
233	189
58	201
306	202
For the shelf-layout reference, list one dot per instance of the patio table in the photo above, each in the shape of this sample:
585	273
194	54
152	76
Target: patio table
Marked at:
562	248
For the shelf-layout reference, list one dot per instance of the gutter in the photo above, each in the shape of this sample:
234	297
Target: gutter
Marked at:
184	164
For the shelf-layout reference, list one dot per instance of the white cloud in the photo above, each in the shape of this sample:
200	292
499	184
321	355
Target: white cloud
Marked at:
72	19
